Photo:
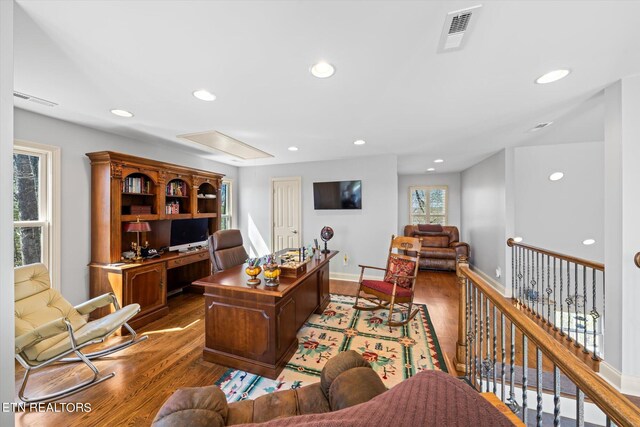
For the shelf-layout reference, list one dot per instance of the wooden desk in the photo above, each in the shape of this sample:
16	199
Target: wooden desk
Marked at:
254	329
147	282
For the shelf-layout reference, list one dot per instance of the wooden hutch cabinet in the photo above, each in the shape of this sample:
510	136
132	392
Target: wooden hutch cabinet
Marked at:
125	188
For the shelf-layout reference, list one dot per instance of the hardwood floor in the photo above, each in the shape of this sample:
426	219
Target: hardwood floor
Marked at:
149	372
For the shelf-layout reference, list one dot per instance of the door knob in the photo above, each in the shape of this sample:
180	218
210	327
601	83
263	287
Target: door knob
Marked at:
294	231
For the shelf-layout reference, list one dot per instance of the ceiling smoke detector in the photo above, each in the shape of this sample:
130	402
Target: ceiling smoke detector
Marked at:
35	99
457	27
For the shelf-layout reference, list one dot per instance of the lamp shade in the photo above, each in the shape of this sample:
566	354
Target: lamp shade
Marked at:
137	227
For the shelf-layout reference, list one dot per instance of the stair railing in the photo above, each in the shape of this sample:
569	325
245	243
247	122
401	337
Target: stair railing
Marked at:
564	292
495	338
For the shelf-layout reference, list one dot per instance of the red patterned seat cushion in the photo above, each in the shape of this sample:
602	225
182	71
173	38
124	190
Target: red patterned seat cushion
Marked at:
401	267
386	288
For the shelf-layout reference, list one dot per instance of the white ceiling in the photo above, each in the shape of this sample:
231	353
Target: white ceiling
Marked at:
390	88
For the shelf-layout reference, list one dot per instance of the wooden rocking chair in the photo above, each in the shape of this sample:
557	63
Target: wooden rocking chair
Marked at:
397	287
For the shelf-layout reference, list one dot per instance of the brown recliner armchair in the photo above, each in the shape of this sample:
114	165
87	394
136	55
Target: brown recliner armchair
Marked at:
440	245
226	249
346	380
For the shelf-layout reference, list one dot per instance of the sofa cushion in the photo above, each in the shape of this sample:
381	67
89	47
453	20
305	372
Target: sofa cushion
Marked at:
275	405
438	253
434	240
400	267
386	288
353	387
338	364
311	400
193	406
432	228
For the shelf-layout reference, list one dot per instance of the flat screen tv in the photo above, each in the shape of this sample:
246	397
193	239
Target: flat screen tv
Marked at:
337	195
187	233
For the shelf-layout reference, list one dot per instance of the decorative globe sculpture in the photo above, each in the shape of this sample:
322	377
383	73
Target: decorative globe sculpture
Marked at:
326	234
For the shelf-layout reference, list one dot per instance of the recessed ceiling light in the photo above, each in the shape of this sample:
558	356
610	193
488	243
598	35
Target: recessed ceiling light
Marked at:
517	239
588	242
122	113
359	142
204	95
556	176
431	169
552	76
438	161
322	70
292	148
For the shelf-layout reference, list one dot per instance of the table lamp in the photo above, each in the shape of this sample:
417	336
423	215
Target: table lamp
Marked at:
137	227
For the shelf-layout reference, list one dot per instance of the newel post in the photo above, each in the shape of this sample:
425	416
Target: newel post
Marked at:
461	344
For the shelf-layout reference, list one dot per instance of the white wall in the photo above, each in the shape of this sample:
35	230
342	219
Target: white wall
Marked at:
451	180
622	234
75	141
559	215
7	388
361	234
484	221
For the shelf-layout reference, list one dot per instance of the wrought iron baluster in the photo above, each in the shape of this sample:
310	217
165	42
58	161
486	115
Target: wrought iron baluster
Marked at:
481	349
521	276
538	387
584	309
548	290
569	302
504	355
487	359
608	422
475	334
512	403
556	396
594	314
541	294
561	303
495	347
525	376
513	271
537	297
467	332
575	302
579	407
555	297
528	279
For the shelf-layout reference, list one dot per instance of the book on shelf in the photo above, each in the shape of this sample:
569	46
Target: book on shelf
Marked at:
136	184
177	188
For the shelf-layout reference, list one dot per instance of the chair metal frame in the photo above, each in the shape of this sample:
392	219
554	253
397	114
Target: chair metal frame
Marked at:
30	366
383	300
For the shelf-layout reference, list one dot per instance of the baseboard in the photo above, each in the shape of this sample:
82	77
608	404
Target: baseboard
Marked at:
624	383
349	277
496	285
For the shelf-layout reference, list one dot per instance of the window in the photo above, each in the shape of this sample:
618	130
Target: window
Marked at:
34	239
226	205
428	205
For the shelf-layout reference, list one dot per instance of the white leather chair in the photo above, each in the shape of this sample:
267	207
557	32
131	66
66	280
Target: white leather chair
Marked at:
48	328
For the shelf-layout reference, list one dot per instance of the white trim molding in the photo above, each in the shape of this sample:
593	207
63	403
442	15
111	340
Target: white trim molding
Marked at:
350	277
496	285
624	383
54	190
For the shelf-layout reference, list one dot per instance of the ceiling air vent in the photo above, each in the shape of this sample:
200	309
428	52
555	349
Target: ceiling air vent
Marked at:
540	126
457	26
34	99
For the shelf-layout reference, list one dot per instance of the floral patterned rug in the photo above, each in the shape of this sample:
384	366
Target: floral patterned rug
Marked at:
395	353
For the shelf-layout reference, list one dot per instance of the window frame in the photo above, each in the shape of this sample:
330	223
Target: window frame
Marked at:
428	189
229	214
49	204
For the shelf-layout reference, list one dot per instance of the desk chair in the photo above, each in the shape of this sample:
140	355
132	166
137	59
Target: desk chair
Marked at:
227	249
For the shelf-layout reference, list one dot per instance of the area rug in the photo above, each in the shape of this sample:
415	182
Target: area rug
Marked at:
395	353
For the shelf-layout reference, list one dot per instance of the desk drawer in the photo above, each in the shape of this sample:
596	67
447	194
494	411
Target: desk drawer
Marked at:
187	259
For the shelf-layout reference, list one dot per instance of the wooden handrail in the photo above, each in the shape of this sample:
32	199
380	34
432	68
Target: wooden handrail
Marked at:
576	260
636	259
620	409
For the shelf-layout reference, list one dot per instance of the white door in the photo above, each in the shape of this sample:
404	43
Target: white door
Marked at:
286	213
